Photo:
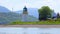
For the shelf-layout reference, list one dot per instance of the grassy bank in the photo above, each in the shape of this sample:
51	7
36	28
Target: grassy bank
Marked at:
47	22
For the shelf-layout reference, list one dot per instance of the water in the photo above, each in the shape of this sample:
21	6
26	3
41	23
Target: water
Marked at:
14	30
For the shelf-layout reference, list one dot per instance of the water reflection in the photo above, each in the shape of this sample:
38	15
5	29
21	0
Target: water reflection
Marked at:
10	30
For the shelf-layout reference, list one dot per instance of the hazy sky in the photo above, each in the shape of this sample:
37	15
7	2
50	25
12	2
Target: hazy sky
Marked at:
19	4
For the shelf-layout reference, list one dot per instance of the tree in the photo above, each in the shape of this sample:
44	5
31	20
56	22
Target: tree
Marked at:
44	13
58	15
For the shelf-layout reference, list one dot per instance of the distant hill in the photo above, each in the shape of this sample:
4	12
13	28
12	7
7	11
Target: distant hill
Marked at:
4	9
5	18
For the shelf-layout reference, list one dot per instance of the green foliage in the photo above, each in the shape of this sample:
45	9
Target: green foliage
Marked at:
44	12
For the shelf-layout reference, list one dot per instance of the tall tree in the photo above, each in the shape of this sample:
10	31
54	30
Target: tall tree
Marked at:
44	13
58	15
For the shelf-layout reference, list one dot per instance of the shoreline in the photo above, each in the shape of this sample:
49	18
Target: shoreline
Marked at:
32	26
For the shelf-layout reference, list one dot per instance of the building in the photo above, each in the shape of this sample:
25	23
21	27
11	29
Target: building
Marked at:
25	14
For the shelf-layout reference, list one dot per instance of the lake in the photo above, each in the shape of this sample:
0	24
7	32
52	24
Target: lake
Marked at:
21	30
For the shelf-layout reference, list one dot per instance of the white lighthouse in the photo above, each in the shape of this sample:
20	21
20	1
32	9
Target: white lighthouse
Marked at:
25	14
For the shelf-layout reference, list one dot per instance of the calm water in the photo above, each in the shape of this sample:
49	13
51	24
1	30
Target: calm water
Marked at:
10	30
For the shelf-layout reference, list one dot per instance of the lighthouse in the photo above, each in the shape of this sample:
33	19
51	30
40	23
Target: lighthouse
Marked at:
25	14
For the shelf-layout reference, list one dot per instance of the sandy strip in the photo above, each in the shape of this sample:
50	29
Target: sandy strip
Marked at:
28	26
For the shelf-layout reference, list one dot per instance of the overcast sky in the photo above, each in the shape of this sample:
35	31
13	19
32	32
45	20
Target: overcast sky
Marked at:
19	4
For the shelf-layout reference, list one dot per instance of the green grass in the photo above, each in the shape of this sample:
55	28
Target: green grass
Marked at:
47	22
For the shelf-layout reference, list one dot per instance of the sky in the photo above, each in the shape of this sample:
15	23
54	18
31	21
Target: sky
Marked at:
19	4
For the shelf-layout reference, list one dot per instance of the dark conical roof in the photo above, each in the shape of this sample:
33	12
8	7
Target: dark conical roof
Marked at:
25	8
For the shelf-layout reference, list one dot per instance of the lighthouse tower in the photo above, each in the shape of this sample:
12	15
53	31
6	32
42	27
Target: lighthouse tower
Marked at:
25	11
25	14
